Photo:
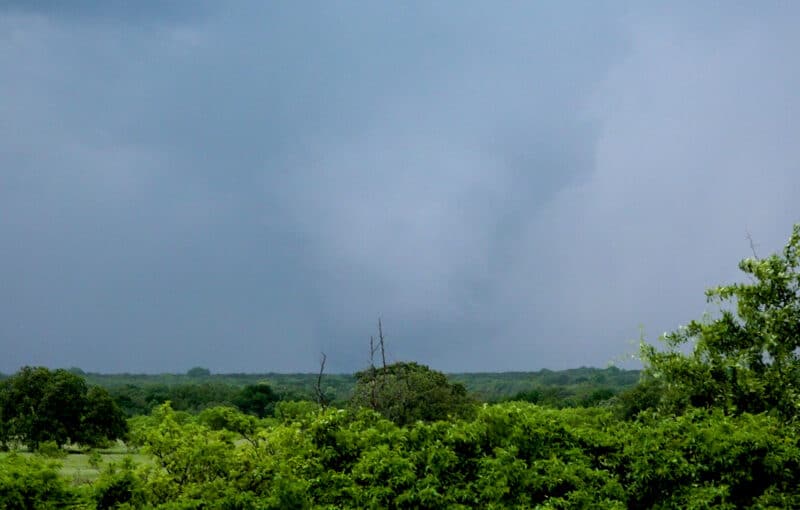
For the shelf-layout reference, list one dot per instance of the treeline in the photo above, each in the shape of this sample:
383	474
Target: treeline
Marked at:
134	400
39	405
140	394
577	387
300	386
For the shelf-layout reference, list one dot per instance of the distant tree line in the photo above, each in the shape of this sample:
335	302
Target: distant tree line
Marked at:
257	399
139	394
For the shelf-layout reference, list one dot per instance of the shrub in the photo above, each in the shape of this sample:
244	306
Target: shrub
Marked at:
51	450
32	483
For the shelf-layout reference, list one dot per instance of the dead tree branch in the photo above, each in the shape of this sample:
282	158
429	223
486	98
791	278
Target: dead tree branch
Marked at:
381	341
753	245
377	382
321	399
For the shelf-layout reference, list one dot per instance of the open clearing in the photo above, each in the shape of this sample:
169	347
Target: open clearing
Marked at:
77	468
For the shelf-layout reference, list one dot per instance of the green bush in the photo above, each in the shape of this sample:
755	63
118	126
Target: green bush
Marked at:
95	459
31	483
117	488
51	450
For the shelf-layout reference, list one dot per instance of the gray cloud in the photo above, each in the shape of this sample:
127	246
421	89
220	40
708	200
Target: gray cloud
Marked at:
509	187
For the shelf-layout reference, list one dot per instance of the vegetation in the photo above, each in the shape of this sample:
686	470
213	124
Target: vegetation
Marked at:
140	394
712	424
256	399
747	359
198	372
554	388
32	482
510	455
38	405
408	392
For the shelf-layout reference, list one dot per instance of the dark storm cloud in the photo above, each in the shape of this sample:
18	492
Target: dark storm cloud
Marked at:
509	186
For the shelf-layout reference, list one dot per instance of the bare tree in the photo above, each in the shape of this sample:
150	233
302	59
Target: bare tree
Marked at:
373	349
321	398
382	344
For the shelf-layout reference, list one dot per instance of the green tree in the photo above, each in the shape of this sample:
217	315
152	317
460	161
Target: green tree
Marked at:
229	418
645	395
39	405
747	358
102	419
405	392
191	462
198	372
257	399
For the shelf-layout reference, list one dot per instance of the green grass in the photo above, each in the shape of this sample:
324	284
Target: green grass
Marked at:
77	469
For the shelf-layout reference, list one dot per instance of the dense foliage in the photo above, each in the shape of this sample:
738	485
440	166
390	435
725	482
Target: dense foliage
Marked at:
140	393
288	386
193	397
574	387
33	483
406	392
39	405
134	400
512	455
747	358
257	399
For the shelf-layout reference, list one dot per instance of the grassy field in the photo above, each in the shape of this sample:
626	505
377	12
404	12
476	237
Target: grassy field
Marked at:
78	468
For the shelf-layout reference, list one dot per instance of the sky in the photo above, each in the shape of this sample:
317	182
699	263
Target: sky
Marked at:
506	185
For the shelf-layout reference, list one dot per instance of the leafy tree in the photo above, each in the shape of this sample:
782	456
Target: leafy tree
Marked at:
102	419
257	399
117	488
405	392
198	372
231	419
748	357
39	405
646	395
190	461
288	410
